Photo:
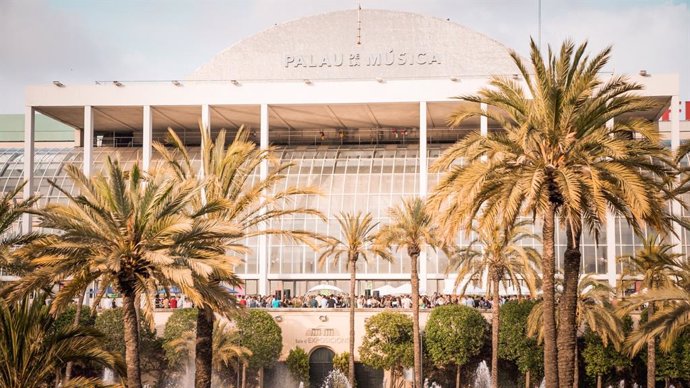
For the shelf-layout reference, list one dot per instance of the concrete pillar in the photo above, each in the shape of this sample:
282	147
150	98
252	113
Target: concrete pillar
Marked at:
423	187
147	138
484	131
263	174
88	140
611	235
675	143
29	137
205	126
484	121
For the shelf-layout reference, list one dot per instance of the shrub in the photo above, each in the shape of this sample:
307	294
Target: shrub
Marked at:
298	365
181	321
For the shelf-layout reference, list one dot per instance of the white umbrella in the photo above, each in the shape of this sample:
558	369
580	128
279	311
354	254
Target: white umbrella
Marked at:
512	290
404	289
471	289
324	287
385	290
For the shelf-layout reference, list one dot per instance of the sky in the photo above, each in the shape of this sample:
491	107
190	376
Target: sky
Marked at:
81	41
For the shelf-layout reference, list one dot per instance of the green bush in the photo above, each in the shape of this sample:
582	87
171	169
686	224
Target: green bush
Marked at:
298	365
514	344
261	334
111	324
66	318
341	362
181	321
454	334
387	342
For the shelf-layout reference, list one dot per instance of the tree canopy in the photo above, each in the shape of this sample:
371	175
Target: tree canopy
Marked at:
387	342
259	333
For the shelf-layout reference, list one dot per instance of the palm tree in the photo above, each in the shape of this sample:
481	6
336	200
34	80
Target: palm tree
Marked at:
357	231
499	252
246	203
594	312
557	157
133	231
11	209
412	228
657	266
33	350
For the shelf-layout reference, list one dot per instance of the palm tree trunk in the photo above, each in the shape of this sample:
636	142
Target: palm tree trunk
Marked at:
598	381
457	376
567	309
75	324
244	375
494	334
353	301
576	379
651	353
549	269
131	325
527	380
415	321
261	377
204	348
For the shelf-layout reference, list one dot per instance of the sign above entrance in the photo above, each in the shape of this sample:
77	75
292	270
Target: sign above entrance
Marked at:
387	58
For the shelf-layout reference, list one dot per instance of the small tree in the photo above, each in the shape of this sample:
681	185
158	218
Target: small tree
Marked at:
601	358
341	362
454	334
65	319
262	336
673	365
387	343
298	365
514	343
180	322
111	324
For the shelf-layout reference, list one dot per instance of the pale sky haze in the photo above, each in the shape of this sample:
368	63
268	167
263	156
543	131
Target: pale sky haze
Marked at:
80	41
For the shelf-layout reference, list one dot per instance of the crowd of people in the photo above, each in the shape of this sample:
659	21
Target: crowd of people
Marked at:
369	301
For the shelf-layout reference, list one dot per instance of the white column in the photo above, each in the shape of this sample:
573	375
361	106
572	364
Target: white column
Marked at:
147	138
263	174
483	121
423	187
675	143
611	234
206	117
29	135
484	131
88	140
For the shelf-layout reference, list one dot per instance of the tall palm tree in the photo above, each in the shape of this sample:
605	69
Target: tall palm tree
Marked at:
498	251
594	312
226	175
656	265
33	350
134	231
357	241
11	209
411	228
557	157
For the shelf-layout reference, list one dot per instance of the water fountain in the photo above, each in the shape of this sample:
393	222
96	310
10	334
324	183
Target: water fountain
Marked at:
427	384
482	376
335	379
108	376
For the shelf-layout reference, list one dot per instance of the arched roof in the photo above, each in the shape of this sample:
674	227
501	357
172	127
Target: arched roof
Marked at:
393	44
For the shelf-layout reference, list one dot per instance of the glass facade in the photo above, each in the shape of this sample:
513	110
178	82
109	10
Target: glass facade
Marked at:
350	178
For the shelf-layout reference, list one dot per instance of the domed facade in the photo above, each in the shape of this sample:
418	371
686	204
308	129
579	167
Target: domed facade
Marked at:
361	44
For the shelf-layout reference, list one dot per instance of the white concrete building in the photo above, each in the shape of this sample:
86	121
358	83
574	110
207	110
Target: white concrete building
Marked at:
357	100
